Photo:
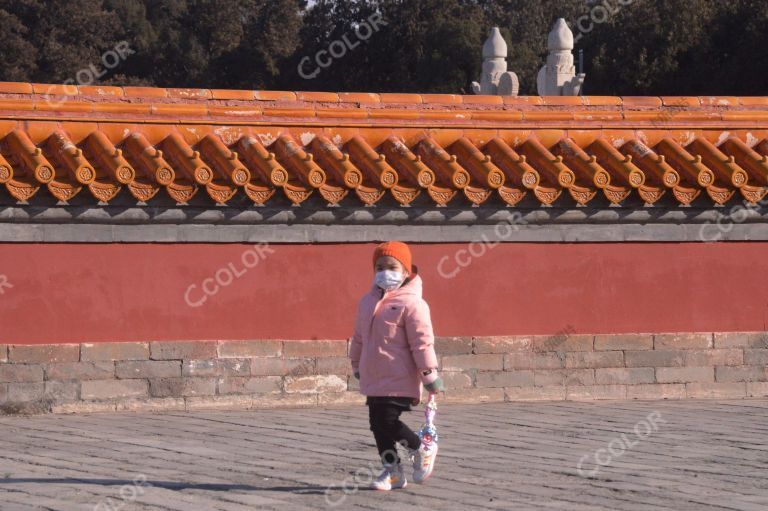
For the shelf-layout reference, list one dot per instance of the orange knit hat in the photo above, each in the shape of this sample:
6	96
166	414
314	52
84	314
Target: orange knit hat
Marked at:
396	249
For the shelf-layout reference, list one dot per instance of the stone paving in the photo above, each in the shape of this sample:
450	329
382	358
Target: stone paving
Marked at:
622	455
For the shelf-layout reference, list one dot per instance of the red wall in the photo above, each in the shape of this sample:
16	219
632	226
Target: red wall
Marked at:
101	292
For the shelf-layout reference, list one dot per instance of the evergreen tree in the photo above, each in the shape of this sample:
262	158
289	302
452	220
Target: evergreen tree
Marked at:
18	60
646	47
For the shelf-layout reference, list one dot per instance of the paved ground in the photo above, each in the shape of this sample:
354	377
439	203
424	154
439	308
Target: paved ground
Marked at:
675	455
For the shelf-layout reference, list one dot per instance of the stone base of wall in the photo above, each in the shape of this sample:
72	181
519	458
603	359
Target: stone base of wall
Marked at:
187	375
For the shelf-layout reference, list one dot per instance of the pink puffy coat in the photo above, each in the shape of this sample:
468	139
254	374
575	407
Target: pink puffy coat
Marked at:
393	341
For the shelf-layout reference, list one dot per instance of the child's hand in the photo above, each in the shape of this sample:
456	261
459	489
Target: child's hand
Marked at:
435	386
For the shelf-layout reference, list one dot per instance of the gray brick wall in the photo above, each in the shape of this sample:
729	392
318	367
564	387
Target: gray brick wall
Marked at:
272	373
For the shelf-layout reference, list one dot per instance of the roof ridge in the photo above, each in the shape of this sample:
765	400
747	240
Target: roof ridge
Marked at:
408	100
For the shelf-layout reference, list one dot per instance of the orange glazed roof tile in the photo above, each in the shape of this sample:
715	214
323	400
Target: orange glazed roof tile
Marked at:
437	148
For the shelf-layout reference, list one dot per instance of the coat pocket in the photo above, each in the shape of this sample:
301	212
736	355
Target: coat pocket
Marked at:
389	330
391	322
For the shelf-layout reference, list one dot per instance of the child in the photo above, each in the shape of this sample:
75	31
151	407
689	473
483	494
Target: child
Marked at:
392	354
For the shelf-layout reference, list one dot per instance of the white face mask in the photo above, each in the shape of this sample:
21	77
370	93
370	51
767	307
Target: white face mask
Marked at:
388	279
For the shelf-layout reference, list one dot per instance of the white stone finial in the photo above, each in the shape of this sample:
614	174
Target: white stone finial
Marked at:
495	47
495	78
560	37
558	76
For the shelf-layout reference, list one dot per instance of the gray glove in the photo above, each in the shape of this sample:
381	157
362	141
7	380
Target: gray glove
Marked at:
436	386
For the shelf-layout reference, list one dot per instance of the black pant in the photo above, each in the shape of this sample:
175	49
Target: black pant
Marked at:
388	430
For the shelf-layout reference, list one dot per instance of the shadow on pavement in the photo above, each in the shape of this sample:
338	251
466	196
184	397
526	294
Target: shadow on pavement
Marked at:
168	485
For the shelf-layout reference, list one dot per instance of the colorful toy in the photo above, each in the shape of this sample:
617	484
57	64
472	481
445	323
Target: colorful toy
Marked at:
428	432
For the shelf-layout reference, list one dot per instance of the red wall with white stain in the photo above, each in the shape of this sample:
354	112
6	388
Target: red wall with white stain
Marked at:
135	292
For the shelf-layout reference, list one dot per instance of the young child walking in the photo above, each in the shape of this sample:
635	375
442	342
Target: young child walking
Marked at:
392	355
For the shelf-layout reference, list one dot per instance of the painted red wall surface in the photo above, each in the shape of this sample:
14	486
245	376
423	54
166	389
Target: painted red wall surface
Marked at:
130	292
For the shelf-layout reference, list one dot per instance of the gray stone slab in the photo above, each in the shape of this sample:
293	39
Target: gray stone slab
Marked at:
319	214
703	455
340	233
310	224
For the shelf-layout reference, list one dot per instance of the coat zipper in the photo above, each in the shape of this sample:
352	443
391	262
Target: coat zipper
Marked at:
373	316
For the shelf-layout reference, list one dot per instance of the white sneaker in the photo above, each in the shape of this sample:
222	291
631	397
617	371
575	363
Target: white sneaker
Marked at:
391	478
423	462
